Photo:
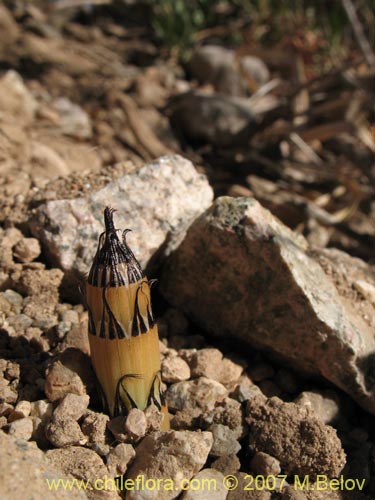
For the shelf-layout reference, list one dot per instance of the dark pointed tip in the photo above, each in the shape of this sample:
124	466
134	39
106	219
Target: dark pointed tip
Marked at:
108	219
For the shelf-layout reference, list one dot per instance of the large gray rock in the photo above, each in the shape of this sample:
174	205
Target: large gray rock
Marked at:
158	200
241	273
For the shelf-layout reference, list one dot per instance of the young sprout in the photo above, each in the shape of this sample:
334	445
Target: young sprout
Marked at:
123	334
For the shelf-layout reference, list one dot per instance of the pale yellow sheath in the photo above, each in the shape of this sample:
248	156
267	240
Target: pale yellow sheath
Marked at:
123	335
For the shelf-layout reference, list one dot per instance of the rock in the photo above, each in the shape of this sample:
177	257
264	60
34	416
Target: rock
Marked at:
15	98
215	119
117	426
21	410
227	464
325	405
207	483
172	455
366	289
225	442
21	428
27	250
61	380
210	363
245	390
254	70
46	164
265	465
84	464
65	432
119	458
243	487
94	426
288	432
69	229
292	307
73	120
8	27
70	373
154	418
174	369
72	406
26	473
230	74
200	393
136	424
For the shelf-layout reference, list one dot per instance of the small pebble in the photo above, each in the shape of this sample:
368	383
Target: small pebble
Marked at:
22	428
118	459
136	423
21	410
265	465
225	442
27	250
174	369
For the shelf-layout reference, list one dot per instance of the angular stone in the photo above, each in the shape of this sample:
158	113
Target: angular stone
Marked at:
176	194
118	459
211	364
291	307
21	428
324	404
72	406
94	426
174	369
136	424
27	250
225	442
66	432
172	455
200	393
288	432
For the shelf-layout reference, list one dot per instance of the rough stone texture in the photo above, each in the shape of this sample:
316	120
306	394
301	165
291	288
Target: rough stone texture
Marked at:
200	393
94	426
71	406
118	459
26	250
22	428
84	464
290	306
70	373
172	455
265	465
208	483
174	369
227	464
324	404
136	424
24	473
288	432
245	489
229	413
225	442
211	364
176	194
65	432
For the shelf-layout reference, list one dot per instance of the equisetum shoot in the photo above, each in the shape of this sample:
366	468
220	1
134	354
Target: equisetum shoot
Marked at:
123	334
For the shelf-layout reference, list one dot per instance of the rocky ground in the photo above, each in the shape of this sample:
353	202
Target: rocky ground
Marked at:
266	296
